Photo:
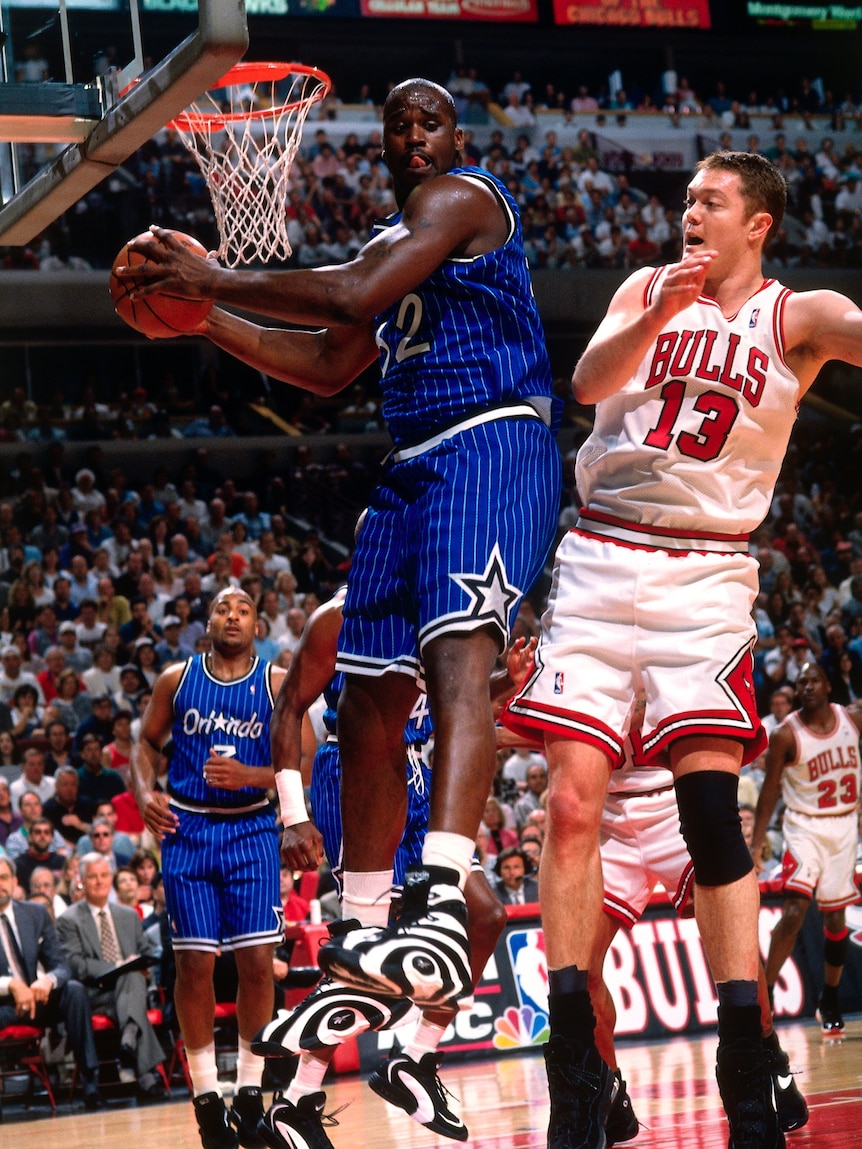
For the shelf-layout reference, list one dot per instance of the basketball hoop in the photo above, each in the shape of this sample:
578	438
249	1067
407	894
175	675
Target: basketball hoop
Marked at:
244	134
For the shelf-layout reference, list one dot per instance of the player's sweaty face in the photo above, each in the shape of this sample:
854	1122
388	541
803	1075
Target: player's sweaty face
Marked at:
420	140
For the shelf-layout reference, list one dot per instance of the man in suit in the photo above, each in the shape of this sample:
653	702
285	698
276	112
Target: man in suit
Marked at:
516	884
29	940
96	937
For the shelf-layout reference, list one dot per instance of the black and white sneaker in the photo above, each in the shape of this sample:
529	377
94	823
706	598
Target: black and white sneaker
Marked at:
213	1122
332	1013
582	1090
622	1124
745	1084
246	1112
790	1107
423	955
299	1126
831	1021
415	1087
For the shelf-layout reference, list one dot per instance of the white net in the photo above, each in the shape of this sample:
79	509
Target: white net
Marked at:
244	137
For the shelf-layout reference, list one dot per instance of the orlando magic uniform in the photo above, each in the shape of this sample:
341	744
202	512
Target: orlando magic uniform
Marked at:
326	786
221	867
460	526
655	584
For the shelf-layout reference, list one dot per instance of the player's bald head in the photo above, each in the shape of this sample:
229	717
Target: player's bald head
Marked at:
418	89
230	592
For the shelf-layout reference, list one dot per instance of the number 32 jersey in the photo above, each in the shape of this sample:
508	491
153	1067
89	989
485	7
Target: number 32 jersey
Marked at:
468	338
694	441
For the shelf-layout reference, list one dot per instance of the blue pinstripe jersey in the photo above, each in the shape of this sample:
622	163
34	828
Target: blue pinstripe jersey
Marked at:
227	718
469	337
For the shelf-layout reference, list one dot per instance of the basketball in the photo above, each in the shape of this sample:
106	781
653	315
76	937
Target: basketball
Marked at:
158	316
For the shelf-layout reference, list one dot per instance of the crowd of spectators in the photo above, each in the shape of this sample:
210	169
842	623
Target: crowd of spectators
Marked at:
575	214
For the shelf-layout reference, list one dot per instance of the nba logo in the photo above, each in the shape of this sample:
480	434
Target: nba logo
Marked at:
753	320
559	682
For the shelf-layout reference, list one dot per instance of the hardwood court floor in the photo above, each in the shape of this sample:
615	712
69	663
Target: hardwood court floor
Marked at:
504	1103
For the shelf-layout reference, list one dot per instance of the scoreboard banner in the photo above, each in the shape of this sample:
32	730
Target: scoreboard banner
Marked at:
501	11
634	13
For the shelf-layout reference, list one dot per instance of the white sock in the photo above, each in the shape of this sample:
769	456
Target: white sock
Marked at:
427	1037
249	1067
203	1069
367	895
308	1077
451	850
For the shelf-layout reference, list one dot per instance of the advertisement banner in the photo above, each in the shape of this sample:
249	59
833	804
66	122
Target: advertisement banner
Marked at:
657	974
500	11
634	13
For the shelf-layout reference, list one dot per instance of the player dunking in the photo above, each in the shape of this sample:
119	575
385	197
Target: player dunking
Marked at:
813	761
456	532
219	850
697	371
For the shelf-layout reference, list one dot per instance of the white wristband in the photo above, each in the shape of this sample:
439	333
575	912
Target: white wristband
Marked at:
291	797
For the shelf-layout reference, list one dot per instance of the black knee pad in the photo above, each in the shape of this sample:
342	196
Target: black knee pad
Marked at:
709	818
835	949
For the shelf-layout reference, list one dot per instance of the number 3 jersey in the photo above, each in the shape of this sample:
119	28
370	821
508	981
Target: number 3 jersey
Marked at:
824	776
693	443
467	338
230	719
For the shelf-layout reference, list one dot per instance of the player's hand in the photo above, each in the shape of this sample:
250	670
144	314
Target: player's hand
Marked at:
227	773
158	817
520	659
302	846
684	281
171	268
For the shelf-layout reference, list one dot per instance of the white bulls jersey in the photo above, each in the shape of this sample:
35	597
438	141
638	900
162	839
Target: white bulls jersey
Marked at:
704	454
824	776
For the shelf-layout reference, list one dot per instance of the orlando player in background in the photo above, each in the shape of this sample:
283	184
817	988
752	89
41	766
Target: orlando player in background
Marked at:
220	850
696	371
456	532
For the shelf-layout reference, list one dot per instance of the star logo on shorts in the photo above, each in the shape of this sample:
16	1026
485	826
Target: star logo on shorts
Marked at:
492	595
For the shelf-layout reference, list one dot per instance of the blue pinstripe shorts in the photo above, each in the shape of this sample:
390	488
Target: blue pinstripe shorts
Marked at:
326	810
454	537
221	878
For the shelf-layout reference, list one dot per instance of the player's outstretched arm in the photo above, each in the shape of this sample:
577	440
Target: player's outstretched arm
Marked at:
323	362
625	335
439	219
819	326
155	728
779	754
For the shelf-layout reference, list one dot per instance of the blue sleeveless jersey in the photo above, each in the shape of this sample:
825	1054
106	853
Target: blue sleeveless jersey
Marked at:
227	718
468	338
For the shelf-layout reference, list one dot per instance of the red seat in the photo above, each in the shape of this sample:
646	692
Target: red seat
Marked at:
20	1051
225	1038
106	1030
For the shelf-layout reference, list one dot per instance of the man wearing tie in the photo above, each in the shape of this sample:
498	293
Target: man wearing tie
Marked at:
96	937
36	985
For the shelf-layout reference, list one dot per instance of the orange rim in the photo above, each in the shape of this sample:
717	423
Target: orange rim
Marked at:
253	72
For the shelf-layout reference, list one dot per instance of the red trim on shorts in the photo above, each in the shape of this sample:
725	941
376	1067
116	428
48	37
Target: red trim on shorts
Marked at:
620	912
827	907
789	867
525	718
665	532
683	896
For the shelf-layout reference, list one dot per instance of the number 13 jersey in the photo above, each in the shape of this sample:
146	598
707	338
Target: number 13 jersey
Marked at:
703	456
